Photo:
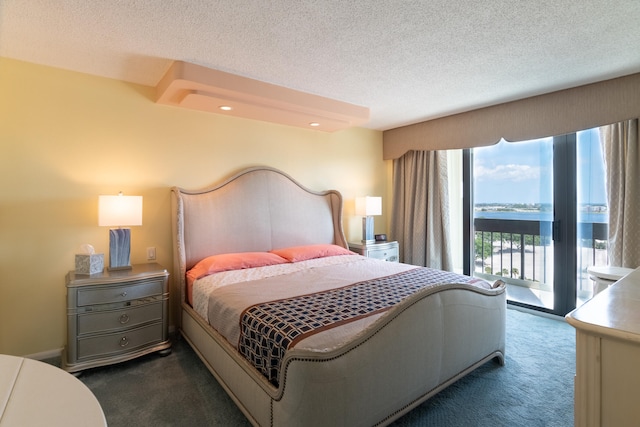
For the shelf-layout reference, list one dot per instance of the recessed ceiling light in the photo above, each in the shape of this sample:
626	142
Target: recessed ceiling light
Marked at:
314	124
225	108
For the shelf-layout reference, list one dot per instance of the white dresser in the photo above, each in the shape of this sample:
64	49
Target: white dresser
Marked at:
608	356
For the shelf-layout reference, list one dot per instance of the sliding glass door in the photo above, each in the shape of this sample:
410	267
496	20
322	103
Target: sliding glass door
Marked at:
530	223
512	217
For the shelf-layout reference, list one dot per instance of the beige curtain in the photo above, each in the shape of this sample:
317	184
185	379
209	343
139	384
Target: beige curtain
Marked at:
621	149
420	220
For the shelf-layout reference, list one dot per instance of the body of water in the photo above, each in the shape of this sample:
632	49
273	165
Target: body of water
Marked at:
588	217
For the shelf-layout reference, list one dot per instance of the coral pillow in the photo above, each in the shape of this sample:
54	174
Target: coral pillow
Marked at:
234	261
302	253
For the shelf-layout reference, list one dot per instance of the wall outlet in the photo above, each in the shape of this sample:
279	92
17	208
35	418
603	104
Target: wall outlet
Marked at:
151	254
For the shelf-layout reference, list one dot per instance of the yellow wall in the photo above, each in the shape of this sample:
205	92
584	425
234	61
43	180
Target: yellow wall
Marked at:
68	137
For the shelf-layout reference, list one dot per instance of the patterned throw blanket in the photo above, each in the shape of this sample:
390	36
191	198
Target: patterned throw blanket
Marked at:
268	329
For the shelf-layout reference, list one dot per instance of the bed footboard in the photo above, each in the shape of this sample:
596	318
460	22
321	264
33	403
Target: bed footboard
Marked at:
389	370
393	369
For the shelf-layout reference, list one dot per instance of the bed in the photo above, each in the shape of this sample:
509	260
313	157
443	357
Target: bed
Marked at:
269	246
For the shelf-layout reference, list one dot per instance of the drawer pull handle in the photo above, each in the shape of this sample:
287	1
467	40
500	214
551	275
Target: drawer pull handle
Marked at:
124	341
124	319
124	294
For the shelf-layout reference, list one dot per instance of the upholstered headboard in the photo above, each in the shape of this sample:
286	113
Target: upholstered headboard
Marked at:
258	209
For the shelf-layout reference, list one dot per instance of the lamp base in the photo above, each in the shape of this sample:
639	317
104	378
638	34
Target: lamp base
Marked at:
119	249
367	230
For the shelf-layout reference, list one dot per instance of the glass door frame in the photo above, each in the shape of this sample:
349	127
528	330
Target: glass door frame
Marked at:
565	219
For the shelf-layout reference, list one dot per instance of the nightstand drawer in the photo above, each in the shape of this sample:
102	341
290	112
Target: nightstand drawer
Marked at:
119	319
123	342
390	254
386	251
110	294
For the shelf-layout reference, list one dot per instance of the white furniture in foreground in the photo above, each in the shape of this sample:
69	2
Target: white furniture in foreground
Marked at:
34	393
608	355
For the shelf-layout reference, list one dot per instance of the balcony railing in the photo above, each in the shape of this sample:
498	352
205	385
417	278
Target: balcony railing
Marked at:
522	250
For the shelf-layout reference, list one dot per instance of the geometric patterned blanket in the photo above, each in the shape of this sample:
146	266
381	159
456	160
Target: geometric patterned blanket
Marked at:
268	329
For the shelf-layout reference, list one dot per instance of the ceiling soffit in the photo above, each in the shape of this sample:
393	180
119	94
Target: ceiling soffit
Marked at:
199	88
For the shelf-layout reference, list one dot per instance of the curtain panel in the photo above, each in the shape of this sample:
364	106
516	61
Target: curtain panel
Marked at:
621	149
420	214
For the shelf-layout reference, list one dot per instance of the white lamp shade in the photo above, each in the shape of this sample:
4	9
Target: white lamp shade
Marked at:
367	206
119	211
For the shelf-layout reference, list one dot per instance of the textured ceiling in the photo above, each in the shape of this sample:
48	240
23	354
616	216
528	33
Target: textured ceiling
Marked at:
407	61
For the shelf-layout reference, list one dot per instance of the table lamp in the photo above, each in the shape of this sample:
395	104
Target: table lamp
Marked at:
119	211
367	207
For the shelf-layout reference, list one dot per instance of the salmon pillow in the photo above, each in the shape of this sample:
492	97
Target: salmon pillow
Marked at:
302	253
233	261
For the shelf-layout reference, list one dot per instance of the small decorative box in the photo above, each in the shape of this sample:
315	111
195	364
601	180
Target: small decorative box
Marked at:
89	263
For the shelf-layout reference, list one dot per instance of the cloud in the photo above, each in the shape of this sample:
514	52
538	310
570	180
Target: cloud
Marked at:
507	172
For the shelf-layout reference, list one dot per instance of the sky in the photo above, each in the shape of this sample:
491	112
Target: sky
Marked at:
521	172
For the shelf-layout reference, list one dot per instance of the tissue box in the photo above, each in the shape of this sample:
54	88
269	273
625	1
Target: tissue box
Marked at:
89	264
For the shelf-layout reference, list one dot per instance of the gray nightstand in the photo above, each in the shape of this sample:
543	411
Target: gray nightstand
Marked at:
386	251
115	316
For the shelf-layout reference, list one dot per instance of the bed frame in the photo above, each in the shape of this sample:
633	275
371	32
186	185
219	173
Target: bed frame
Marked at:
391	367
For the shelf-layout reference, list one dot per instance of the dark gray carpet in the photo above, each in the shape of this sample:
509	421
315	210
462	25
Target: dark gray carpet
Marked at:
534	388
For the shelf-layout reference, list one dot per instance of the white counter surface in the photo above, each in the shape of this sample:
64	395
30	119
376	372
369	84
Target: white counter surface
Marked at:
614	312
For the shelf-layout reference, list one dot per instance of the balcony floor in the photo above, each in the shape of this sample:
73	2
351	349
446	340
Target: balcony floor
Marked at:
537	297
530	296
